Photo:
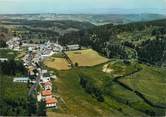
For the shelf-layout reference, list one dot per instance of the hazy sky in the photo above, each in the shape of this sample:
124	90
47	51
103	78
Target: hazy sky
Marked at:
83	6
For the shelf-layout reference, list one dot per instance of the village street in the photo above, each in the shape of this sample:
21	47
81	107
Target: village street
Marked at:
39	79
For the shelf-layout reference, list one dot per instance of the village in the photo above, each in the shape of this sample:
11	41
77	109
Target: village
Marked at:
38	77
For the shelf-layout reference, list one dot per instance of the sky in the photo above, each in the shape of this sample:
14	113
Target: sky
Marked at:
82	6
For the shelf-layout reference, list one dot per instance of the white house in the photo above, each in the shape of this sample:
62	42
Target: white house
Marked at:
73	47
3	59
39	97
21	79
57	48
47	86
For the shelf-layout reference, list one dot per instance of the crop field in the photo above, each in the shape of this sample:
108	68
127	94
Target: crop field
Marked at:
57	63
86	57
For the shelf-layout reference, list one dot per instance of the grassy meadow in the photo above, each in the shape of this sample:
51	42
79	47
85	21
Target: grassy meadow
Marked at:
118	100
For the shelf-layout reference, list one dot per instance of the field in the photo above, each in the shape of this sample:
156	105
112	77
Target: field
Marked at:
57	63
78	103
151	82
6	53
84	58
87	57
13	97
119	100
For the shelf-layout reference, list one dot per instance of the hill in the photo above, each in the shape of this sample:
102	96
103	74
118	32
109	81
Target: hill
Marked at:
97	19
128	41
40	30
120	96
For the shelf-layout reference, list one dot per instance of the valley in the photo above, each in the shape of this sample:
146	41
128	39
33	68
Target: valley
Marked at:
98	70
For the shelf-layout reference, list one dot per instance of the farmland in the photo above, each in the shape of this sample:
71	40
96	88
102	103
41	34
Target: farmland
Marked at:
57	63
119	101
86	57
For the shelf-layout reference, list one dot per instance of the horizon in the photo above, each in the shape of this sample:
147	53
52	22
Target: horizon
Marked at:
54	13
83	7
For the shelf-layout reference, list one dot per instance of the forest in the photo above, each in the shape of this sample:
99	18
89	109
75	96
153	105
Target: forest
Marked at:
128	41
13	96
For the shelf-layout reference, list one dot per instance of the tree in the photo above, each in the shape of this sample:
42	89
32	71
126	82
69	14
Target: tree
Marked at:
76	64
3	44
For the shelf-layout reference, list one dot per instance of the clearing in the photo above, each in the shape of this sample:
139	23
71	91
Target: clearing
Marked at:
86	57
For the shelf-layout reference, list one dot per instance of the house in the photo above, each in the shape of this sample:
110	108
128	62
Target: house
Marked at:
39	97
73	47
3	59
47	86
44	71
57	48
45	77
53	77
21	80
51	102
46	94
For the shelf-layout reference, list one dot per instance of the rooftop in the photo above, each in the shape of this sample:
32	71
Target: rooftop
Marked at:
50	100
47	83
46	93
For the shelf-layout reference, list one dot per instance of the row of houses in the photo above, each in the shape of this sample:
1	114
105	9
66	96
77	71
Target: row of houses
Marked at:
38	76
46	93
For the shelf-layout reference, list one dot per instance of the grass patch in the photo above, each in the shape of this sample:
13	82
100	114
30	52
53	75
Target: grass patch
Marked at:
6	53
57	63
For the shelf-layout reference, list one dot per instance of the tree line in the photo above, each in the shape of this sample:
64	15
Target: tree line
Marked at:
91	89
12	67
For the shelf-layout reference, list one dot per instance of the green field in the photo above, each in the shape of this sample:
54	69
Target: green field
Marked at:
151	82
13	97
118	100
6	53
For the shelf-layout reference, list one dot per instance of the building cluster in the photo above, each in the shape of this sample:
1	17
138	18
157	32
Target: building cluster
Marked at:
43	79
45	93
72	47
14	43
38	77
48	49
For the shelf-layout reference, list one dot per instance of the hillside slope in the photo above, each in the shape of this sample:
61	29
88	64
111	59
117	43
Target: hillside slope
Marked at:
128	41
